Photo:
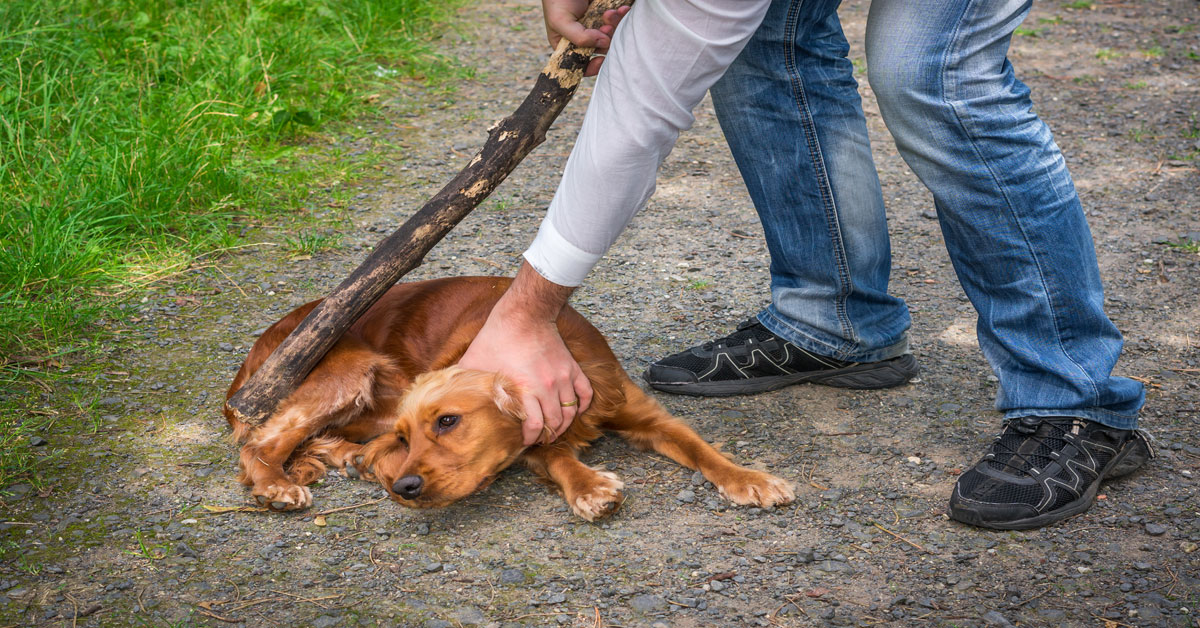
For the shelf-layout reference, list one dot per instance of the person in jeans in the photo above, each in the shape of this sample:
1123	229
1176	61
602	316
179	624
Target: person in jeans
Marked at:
787	101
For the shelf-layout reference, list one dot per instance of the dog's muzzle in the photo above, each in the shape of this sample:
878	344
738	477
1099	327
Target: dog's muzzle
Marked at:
409	486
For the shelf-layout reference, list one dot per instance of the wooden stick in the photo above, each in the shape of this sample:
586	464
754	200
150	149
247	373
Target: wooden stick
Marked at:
509	141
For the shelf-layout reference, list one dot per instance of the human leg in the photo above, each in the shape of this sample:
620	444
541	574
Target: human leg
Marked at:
790	110
1012	221
1021	247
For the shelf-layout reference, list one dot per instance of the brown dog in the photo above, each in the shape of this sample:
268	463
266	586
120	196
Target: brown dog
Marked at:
388	404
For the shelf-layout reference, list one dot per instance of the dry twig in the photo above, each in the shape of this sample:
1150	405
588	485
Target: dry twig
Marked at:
876	524
343	508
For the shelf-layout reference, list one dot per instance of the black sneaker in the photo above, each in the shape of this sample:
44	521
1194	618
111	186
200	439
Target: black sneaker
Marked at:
1044	469
753	360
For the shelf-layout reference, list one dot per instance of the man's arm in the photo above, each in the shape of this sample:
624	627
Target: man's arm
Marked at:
663	59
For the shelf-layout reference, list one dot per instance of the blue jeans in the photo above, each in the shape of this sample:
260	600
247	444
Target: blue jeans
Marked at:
1012	222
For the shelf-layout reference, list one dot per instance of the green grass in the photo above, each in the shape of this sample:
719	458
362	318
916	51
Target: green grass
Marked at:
1188	246
1104	54
309	242
1079	4
135	134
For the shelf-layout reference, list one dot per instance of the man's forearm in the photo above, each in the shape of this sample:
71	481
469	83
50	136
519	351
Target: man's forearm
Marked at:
533	298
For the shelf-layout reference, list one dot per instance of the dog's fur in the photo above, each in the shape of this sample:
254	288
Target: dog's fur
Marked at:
387	402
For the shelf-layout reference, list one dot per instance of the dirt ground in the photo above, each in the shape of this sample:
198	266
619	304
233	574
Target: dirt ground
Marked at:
134	525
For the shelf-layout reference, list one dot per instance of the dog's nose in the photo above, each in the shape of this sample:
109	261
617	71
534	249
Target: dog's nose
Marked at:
409	486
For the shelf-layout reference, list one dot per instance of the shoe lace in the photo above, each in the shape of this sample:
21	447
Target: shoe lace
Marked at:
1028	444
738	337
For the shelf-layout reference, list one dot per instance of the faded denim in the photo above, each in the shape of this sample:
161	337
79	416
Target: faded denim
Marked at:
1008	209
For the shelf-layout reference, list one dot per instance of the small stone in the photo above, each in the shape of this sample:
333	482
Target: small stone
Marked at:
994	618
717	586
437	623
19	490
37	441
182	549
225	346
556	598
647	603
914	459
469	616
433	567
422	529
512	576
686	496
698	479
1156	529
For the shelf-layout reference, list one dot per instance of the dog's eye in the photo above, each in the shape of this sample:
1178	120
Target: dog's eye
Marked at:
447	421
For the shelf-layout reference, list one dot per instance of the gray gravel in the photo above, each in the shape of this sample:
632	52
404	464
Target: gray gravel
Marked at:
129	523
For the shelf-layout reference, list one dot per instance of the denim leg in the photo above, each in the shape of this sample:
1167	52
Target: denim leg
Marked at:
1007	206
790	110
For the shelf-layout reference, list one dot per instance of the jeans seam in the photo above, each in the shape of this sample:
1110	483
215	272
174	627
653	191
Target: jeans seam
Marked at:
820	172
951	50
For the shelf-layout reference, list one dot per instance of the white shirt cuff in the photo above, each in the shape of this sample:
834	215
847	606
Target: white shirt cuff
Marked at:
557	260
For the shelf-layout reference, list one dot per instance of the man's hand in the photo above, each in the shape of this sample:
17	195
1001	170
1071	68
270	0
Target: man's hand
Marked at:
520	340
562	20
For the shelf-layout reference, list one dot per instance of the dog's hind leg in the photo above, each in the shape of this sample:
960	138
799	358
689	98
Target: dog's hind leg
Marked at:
644	422
591	493
348	382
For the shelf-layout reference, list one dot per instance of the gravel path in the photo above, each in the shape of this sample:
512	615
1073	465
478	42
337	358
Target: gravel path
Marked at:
134	527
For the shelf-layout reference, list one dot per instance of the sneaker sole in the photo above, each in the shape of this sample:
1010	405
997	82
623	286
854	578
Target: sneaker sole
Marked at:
1123	464
869	376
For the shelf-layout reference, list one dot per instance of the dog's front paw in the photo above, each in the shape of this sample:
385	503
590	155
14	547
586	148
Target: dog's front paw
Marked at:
279	496
601	499
356	469
747	487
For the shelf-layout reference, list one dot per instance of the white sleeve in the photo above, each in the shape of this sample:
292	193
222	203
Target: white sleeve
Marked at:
664	56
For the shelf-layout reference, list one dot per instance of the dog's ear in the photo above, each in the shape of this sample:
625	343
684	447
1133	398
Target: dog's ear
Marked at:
504	392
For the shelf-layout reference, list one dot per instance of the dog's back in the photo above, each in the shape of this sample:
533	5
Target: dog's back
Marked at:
420	327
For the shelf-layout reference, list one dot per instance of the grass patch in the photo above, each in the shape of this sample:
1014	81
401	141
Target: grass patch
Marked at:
134	134
309	242
1185	245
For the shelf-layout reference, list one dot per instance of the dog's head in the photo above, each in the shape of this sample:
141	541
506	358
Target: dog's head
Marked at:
455	430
